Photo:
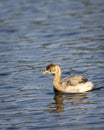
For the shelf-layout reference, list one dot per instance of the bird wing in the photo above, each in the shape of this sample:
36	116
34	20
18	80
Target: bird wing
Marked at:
74	80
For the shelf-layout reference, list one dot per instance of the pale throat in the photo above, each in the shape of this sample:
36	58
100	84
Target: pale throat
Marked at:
57	81
57	77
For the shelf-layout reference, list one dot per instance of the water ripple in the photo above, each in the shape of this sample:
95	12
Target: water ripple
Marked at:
36	33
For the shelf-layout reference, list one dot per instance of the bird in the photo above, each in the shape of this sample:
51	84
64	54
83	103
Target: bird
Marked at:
70	84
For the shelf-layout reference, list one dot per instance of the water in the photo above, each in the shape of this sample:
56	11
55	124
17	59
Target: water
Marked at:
35	33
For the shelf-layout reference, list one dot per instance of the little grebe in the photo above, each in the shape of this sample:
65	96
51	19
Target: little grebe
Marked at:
72	84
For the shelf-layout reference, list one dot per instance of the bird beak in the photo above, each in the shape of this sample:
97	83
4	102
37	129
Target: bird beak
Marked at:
45	72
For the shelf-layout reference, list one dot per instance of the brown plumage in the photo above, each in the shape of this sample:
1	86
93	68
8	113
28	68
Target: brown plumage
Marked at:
74	80
76	83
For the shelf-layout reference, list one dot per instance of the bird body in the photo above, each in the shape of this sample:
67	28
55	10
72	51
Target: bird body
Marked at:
72	84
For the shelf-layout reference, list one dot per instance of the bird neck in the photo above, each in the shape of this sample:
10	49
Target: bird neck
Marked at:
57	80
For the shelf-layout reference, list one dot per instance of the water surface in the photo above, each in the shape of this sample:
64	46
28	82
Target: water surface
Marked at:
35	33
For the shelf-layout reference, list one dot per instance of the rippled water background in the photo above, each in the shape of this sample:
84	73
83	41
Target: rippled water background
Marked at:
34	33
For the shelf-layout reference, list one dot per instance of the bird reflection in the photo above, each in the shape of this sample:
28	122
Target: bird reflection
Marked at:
62	99
59	101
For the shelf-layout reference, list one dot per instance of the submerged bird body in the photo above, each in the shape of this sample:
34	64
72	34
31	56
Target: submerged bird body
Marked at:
72	84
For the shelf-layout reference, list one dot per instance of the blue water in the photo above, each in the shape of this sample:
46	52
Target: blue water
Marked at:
34	33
